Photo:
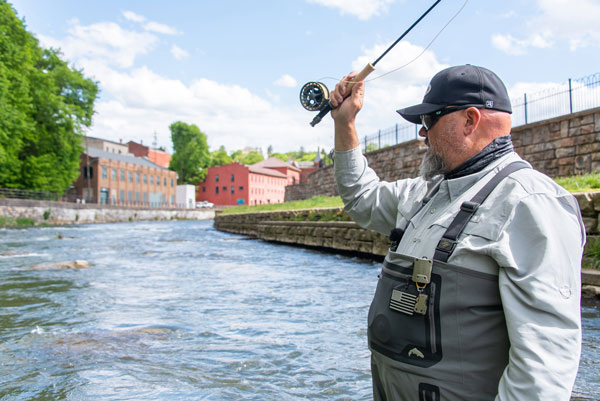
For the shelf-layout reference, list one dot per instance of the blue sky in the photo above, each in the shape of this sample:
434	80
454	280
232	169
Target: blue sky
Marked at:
235	68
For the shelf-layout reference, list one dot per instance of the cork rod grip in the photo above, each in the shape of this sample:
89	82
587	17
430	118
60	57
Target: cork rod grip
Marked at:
369	68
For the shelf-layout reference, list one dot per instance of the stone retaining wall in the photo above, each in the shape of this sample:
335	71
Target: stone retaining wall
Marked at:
62	213
562	146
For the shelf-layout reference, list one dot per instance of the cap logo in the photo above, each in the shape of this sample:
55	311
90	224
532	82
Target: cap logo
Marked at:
489	104
428	90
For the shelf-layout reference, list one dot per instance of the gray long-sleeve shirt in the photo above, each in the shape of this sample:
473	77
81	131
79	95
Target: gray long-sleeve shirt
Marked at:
533	242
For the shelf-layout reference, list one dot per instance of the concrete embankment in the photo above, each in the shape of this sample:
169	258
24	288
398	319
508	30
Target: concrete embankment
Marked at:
63	213
307	228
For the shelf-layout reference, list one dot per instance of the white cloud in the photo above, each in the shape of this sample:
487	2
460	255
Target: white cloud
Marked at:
575	21
362	9
179	53
103	41
286	81
511	45
160	28
131	16
151	26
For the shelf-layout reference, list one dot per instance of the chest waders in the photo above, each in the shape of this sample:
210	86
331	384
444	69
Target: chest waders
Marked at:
438	328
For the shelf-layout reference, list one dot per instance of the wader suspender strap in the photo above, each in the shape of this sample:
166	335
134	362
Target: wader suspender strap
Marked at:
448	242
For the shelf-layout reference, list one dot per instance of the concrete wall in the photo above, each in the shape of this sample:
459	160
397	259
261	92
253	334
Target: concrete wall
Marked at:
59	213
559	147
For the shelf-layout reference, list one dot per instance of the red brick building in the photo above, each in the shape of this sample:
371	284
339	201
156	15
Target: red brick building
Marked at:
156	156
238	184
117	179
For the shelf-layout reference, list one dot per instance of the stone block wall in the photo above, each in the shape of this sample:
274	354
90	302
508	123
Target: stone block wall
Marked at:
294	227
563	146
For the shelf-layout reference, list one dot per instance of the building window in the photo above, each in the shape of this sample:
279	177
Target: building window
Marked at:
104	172
152	179
232	189
122	175
203	189
137	177
172	199
158	181
216	177
232	178
145	197
130	177
129	195
122	196
114	174
137	197
145	179
104	196
217	190
165	181
85	172
171	182
224	188
241	188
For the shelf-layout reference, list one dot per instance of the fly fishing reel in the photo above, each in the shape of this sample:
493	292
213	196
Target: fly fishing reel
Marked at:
314	95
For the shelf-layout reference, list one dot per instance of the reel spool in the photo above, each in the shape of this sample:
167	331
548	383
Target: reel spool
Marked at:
314	96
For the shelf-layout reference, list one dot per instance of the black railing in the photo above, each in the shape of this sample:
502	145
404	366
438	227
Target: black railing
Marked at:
573	96
13	193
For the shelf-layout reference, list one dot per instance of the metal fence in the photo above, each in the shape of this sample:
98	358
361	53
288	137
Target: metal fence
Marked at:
26	194
573	96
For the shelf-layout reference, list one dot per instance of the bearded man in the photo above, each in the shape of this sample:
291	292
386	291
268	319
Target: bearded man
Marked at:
479	295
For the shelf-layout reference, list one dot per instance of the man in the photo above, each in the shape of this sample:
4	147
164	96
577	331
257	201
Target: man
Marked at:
479	296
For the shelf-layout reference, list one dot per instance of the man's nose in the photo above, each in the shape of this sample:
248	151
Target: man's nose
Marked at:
423	132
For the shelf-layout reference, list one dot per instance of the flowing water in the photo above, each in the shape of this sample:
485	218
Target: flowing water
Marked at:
179	311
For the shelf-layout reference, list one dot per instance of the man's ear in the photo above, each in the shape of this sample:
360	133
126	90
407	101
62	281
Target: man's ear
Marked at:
472	120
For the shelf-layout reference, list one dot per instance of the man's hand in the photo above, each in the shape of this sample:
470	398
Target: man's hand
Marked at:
346	103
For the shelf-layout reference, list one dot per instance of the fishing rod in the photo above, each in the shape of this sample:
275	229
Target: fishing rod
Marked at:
314	96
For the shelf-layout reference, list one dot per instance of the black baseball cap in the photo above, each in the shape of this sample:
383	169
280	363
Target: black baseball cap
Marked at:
463	85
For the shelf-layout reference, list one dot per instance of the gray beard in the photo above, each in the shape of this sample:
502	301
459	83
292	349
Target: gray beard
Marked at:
432	165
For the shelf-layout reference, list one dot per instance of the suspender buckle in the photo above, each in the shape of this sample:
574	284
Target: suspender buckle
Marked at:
446	245
469	207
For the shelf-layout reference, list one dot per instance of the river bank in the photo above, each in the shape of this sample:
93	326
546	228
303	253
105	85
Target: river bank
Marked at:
25	212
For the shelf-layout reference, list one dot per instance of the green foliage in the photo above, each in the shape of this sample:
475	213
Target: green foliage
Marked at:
371	147
251	158
591	255
219	157
191	156
47	214
312	203
580	183
24	222
281	156
44	105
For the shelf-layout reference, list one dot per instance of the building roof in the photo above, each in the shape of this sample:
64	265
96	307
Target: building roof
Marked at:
106	140
123	158
273	162
266	171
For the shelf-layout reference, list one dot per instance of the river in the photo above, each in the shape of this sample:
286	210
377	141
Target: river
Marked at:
178	311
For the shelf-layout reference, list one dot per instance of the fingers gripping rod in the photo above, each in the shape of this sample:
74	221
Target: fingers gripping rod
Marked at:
369	68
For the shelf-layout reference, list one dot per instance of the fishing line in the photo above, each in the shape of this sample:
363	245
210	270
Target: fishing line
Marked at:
314	96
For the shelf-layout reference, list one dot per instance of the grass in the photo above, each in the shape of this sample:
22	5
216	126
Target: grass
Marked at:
591	256
16	223
580	183
312	203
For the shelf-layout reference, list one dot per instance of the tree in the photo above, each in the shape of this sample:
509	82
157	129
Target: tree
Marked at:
251	158
190	153
45	105
219	157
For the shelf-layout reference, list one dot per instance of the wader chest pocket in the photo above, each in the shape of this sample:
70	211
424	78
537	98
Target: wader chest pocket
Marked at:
404	323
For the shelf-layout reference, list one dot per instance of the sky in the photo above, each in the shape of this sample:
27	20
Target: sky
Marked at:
235	68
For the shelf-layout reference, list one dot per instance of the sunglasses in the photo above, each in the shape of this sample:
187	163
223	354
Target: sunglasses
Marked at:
428	120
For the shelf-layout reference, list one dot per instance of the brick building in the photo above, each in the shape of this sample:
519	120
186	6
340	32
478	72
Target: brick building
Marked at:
156	156
238	184
89	142
117	179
